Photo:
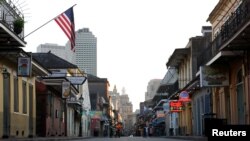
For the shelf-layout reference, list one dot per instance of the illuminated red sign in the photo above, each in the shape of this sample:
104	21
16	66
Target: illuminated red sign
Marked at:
175	106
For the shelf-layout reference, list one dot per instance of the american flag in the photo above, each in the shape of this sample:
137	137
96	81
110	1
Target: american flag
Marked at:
66	22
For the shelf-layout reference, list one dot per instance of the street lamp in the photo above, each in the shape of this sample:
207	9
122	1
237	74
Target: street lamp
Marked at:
81	99
81	110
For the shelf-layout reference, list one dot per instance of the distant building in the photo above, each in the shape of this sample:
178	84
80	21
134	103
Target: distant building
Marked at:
115	96
100	104
98	89
152	88
131	122
126	109
85	51
60	51
85	55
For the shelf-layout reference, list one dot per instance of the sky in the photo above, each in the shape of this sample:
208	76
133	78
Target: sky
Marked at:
135	38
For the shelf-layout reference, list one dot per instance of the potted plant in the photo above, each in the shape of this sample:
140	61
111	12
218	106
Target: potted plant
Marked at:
18	25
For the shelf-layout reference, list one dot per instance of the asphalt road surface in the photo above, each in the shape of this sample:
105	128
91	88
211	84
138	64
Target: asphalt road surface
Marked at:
131	139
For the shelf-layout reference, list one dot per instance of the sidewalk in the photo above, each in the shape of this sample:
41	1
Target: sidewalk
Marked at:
44	138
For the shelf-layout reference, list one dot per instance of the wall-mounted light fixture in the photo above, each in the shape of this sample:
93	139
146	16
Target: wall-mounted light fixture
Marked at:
5	73
81	99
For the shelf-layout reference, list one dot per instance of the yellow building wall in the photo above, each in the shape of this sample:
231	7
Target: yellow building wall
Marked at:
220	100
185	120
217	18
19	121
235	67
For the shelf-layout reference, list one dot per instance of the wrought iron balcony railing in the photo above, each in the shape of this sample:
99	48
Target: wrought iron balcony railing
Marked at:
234	23
8	14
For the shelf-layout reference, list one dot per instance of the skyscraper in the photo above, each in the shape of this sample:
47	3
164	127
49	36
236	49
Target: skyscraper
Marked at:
86	51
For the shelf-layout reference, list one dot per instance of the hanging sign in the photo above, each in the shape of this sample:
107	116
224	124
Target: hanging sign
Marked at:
24	66
184	96
65	89
216	76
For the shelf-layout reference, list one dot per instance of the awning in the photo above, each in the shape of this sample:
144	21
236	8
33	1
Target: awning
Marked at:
159	104
177	57
95	114
224	56
158	121
57	81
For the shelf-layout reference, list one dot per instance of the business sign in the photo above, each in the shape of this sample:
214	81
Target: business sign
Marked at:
24	66
160	114
77	80
65	89
184	96
176	106
74	100
166	107
214	76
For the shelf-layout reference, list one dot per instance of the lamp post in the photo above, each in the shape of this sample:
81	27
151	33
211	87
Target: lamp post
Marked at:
81	110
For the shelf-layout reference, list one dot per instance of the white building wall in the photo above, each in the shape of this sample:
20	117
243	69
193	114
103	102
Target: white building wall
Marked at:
71	124
84	90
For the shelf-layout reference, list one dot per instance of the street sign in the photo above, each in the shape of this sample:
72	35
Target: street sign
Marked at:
77	80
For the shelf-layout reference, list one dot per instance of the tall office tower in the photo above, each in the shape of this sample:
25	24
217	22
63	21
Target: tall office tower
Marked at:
60	51
86	51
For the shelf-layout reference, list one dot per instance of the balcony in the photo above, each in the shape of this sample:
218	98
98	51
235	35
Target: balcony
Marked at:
233	38
8	14
235	32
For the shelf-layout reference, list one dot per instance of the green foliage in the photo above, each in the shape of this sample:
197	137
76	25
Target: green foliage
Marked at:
18	25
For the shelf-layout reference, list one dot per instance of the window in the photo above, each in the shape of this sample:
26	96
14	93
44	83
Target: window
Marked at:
24	98
57	113
16	95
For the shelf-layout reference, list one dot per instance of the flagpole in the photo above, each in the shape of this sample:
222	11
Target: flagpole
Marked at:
45	23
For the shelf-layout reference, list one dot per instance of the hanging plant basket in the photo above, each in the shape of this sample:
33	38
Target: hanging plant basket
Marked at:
18	25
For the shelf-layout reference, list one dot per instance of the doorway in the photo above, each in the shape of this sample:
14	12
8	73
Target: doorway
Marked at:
240	98
6	105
